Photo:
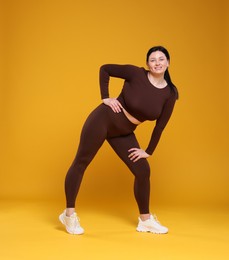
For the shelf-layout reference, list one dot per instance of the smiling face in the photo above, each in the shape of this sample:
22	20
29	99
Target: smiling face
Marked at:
157	63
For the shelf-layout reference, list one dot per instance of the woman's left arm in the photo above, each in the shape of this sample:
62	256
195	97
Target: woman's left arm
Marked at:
138	153
161	123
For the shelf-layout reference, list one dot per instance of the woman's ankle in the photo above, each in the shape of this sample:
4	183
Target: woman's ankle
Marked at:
144	217
69	211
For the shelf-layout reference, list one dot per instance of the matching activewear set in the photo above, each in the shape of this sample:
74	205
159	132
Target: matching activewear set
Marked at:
140	99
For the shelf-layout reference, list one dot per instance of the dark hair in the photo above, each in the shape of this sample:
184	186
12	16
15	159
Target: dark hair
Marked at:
167	75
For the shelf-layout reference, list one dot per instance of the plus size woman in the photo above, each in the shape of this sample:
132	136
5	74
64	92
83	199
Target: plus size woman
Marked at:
146	95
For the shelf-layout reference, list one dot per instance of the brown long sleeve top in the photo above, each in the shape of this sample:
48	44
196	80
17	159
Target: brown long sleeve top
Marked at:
140	98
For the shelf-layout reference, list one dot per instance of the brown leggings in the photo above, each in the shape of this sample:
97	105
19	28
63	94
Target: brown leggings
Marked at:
103	124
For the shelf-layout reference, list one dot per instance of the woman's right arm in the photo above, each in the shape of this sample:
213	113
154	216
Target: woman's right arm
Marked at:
114	104
125	72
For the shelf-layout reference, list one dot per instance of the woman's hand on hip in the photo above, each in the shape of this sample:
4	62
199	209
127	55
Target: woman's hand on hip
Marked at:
114	104
136	154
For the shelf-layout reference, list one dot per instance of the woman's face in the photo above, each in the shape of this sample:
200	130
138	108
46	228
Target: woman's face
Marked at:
157	63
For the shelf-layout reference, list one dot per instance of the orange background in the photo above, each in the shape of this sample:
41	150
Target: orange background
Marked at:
51	53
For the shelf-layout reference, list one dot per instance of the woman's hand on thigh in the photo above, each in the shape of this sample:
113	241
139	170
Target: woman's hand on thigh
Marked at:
137	153
114	104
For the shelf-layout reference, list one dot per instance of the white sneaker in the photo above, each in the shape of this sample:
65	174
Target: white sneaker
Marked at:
151	225
71	223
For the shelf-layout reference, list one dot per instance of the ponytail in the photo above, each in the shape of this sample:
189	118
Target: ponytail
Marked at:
170	83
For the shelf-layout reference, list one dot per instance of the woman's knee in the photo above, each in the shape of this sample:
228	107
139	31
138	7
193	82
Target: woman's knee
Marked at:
79	165
142	170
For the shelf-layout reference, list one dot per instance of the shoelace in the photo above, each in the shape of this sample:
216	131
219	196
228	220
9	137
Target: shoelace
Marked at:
155	218
77	221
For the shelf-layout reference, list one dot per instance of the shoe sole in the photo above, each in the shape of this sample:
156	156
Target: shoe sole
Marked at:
61	218
154	231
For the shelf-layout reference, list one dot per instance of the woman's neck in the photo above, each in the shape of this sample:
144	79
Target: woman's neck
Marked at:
158	81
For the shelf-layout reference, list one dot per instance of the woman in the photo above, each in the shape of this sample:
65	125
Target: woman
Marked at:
146	95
